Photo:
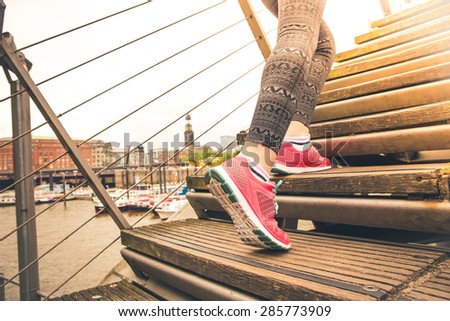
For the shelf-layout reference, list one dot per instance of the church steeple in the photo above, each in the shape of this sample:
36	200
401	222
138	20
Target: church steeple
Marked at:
188	132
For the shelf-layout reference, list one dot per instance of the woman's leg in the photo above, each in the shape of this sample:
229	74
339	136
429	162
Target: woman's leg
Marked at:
310	89
242	184
287	68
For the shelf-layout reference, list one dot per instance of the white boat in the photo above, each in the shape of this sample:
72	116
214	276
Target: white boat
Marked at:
170	207
7	199
120	200
83	193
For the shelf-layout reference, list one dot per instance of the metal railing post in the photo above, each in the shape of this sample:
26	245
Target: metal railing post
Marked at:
25	207
12	60
256	28
2	288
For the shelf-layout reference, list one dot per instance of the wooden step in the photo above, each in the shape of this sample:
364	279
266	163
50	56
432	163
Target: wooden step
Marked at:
408	13
385	101
186	285
441	25
431	114
395	141
396	49
119	291
417	19
389	71
415	52
366	211
412	78
417	179
319	267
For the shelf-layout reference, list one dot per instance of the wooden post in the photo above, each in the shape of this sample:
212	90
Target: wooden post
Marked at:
256	28
386	7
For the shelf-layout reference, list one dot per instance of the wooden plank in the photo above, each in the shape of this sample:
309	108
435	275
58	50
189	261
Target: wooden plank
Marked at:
408	13
259	281
120	291
97	295
386	251
391	100
433	28
138	293
445	295
405	182
424	216
393	70
418	51
423	297
394	50
403	179
318	249
77	296
417	19
256	28
437	113
395	141
205	255
315	253
412	78
107	291
89	296
324	267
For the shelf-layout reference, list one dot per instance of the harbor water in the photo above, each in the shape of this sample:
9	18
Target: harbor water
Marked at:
61	263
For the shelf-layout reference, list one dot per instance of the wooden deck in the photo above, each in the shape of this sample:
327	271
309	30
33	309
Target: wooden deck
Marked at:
319	267
119	291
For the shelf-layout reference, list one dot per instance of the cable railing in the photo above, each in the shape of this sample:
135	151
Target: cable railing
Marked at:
8	280
129	152
124	81
116	49
129	114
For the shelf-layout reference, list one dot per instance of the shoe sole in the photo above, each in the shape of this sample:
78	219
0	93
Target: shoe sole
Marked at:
285	170
249	228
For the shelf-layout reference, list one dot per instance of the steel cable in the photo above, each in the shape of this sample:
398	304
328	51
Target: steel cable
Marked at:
129	152
90	219
117	238
115	49
133	112
82	26
122	82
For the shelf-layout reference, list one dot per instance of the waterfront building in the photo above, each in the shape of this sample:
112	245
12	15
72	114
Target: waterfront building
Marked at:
44	150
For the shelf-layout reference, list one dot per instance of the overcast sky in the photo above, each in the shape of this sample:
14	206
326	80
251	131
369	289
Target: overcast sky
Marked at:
30	21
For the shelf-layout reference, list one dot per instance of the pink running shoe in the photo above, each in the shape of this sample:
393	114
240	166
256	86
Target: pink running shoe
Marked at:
293	161
250	202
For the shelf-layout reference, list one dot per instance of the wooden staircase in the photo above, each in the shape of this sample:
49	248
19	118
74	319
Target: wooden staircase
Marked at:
383	117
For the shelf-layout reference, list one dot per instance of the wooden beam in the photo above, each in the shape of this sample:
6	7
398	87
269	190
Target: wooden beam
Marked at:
256	28
392	70
404	14
421	76
437	113
424	216
404	24
417	179
396	49
395	40
391	100
395	141
419	51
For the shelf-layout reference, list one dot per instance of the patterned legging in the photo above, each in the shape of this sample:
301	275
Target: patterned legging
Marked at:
295	71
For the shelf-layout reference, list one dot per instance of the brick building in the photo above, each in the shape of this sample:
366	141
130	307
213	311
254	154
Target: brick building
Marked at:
44	150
